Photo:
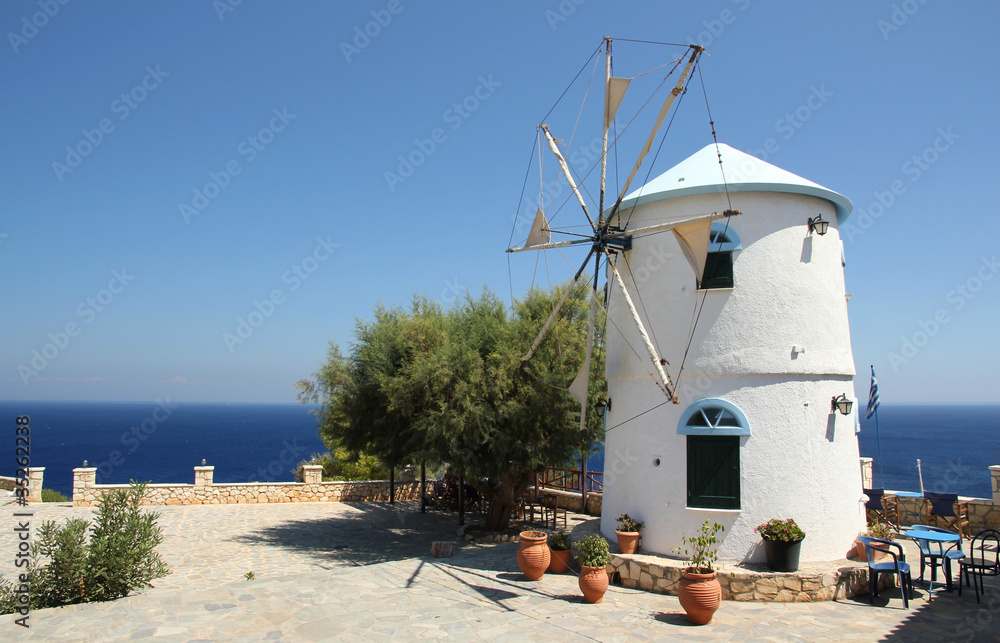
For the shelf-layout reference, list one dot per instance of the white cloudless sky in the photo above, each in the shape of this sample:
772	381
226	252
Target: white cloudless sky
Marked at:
170	169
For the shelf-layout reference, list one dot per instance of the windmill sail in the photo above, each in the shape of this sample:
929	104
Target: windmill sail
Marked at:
540	233
692	233
693	239
613	98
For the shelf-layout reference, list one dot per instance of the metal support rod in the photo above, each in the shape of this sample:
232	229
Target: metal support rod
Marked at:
461	500
423	487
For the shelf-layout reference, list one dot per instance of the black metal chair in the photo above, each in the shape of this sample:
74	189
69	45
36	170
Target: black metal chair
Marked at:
943	512
982	560
881	509
898	566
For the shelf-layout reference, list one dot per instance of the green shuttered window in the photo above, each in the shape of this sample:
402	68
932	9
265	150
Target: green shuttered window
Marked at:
713	468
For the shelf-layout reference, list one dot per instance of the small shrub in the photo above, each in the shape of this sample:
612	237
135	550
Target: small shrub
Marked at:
879	530
777	529
628	524
559	542
593	551
67	565
51	495
702	549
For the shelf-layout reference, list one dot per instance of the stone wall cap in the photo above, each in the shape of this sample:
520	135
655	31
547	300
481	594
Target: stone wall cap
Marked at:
82	469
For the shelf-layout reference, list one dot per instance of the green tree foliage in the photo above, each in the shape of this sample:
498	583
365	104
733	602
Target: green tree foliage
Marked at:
342	465
68	565
51	495
423	384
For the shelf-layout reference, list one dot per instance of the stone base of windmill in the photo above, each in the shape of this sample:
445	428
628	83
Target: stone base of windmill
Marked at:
814	582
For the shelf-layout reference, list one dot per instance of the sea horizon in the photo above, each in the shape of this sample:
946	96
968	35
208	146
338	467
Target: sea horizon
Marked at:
263	441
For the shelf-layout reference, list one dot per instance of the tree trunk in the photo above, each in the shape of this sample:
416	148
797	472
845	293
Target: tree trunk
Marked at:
498	516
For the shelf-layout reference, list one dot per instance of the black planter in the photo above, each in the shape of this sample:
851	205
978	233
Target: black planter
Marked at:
782	556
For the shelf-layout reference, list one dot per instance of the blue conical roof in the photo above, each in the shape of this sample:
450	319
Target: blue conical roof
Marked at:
701	173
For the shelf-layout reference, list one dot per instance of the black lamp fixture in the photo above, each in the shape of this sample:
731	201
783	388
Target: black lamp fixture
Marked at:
842	404
818	225
602	406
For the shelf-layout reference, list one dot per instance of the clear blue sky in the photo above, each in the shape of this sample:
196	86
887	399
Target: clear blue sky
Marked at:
303	209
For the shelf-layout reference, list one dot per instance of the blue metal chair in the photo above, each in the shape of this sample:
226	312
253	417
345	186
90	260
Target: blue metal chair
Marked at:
935	554
983	560
897	566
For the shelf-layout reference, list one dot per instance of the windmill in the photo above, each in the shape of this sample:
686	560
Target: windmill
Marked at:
608	235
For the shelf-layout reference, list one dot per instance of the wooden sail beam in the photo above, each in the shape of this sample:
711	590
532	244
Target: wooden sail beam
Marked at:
660	227
675	92
664	381
565	169
555	311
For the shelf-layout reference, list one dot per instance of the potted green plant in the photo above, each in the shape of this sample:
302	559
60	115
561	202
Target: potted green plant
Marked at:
628	533
594	555
782	544
698	590
875	530
559	553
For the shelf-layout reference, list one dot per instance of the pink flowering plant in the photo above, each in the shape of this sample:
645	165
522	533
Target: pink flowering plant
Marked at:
777	529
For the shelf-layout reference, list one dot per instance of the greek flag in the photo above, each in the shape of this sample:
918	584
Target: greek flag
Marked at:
872	396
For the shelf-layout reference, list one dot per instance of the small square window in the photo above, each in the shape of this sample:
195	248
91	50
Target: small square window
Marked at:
718	271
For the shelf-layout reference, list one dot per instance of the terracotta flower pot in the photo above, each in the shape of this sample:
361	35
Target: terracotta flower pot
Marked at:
700	595
533	554
559	561
877	556
593	583
628	541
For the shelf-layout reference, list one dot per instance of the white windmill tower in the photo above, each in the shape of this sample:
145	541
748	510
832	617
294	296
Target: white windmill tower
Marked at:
757	361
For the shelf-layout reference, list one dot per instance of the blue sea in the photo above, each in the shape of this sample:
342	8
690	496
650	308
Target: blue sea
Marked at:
263	442
162	442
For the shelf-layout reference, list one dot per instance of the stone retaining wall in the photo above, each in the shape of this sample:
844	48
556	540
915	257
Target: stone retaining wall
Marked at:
573	501
984	513
810	583
204	491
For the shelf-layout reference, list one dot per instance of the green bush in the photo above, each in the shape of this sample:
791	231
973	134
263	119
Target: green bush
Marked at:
343	466
51	495
67	565
593	551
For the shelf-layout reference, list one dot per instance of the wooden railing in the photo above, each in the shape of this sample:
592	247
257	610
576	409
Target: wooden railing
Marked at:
569	479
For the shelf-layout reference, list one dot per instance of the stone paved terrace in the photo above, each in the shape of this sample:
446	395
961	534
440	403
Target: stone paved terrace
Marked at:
339	571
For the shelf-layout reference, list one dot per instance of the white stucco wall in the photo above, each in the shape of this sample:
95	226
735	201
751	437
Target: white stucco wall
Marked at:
801	461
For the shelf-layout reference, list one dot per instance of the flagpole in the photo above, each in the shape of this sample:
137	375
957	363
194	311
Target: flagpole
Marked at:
878	438
873	404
